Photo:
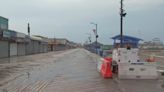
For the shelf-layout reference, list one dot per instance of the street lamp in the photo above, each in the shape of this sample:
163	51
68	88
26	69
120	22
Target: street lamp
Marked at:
96	35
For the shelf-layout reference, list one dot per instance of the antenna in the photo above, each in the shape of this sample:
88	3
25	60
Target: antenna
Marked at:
122	14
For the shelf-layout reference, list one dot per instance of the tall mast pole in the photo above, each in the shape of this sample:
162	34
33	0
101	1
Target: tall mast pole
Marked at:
122	14
121	21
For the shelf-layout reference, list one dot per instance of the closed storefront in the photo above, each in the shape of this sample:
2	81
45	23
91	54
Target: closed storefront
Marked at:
21	49
60	47
4	49
21	43
1	33
36	47
29	48
13	49
45	47
41	48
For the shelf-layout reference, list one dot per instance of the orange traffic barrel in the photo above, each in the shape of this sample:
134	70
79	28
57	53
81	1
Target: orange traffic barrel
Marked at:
106	68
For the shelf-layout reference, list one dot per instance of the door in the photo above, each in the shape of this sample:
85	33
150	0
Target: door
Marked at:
4	49
13	49
21	49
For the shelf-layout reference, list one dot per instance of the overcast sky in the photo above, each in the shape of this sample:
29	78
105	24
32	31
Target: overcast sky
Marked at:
71	18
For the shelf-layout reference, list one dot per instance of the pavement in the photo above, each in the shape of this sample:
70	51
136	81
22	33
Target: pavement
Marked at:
66	71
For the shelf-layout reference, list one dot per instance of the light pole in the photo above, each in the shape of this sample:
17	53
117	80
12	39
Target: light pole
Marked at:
96	35
122	14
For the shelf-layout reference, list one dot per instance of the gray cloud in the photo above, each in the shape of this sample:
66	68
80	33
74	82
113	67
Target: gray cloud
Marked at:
71	18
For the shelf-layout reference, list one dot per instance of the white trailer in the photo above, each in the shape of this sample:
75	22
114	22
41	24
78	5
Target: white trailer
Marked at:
131	67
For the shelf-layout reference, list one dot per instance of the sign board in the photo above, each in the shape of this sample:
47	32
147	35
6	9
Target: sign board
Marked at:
20	35
21	40
13	34
6	34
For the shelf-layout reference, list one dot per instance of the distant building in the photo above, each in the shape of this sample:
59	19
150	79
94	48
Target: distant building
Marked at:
156	43
61	41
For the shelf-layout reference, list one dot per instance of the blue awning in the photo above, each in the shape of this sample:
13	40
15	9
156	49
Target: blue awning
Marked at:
126	38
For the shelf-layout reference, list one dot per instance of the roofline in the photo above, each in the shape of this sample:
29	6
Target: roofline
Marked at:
4	18
128	36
